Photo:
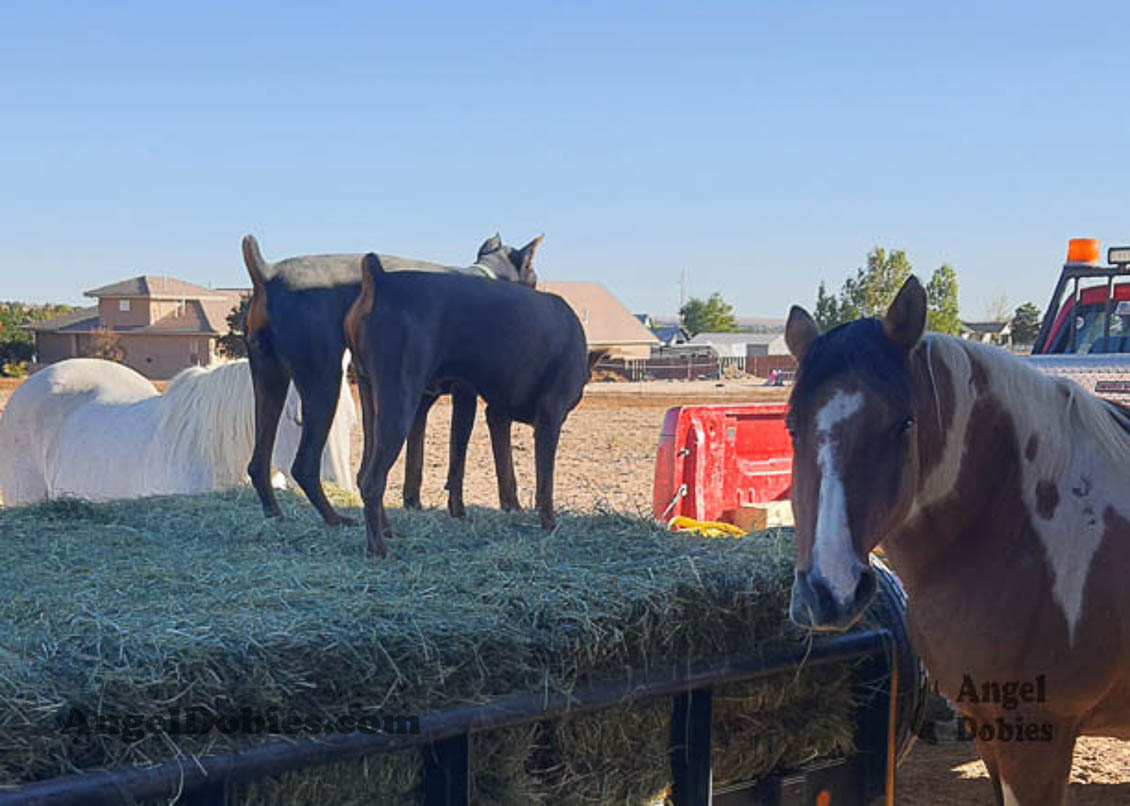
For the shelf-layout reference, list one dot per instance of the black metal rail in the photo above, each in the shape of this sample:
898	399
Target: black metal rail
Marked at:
444	736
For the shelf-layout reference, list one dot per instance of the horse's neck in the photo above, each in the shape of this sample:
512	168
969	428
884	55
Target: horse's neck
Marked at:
968	465
1001	450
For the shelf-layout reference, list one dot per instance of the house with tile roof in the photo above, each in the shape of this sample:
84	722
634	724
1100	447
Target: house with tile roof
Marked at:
610	328
999	333
160	325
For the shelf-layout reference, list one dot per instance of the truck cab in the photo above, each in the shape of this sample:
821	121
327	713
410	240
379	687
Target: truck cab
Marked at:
1094	318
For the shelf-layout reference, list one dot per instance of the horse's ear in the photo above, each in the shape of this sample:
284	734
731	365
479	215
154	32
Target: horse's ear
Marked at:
800	332
906	318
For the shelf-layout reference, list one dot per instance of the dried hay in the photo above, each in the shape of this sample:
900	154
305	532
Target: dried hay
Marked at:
198	601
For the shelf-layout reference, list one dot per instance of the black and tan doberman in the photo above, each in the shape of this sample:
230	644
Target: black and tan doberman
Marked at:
411	330
295	333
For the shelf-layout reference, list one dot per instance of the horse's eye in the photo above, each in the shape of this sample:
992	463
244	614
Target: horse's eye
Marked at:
904	426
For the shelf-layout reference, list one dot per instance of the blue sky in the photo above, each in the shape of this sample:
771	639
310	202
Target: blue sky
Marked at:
759	147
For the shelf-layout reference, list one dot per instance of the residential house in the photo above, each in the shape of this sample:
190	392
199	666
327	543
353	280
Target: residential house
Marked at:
999	333
671	335
767	355
609	327
729	347
159	325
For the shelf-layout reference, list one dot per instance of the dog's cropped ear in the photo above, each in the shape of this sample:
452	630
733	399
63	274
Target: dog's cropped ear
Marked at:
800	332
524	260
491	244
906	318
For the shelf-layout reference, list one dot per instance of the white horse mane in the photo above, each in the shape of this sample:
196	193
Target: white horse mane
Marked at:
1066	417
206	409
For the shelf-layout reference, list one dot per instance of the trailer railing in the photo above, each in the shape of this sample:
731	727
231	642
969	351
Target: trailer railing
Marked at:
444	739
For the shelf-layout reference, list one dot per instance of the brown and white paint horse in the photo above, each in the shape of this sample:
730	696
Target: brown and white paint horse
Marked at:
1001	497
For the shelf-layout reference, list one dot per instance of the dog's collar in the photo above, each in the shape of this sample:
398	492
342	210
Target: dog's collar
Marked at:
486	271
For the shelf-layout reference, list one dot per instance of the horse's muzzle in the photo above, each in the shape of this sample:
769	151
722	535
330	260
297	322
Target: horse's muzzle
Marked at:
814	607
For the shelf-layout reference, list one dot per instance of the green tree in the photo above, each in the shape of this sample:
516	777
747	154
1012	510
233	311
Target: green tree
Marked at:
827	310
851	298
871	290
232	344
1026	323
713	315
885	274
17	345
941	301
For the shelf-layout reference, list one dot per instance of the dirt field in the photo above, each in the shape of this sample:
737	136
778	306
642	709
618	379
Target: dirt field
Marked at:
606	460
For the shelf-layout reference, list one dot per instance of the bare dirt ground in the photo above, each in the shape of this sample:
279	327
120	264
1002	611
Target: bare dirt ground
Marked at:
606	460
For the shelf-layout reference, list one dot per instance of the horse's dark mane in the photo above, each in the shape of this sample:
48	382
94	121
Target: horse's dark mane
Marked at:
860	348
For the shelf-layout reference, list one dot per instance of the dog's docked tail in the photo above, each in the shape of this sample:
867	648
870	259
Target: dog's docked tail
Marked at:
253	259
371	272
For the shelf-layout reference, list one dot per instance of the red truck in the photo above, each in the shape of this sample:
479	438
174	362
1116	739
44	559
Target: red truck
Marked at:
733	463
1085	334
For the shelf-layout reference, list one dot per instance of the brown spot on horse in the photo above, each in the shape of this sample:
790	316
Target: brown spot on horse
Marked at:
1047	499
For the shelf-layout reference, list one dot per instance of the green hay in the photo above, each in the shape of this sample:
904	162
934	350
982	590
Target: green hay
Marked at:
136	607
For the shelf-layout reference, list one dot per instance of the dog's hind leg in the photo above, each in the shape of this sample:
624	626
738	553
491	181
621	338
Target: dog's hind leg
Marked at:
368	422
547	432
319	402
464	402
414	458
396	410
499	425
270	381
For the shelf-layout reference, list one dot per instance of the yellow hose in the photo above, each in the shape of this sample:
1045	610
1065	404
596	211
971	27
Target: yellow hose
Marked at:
681	523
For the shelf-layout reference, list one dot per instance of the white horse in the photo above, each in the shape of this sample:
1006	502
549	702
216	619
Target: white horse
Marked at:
97	430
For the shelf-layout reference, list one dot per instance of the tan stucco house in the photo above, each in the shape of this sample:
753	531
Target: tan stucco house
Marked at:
609	327
161	324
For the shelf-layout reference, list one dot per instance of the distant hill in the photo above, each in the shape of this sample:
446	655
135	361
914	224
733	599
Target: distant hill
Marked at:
753	324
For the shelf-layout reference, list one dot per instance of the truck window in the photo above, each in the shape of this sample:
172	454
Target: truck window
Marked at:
1089	332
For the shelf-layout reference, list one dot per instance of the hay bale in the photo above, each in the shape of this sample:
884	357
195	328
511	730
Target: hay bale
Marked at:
199	602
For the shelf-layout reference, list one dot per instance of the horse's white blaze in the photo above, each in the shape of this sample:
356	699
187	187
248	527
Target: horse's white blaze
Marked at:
833	558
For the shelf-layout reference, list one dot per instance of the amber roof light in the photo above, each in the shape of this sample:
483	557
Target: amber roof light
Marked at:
1083	250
